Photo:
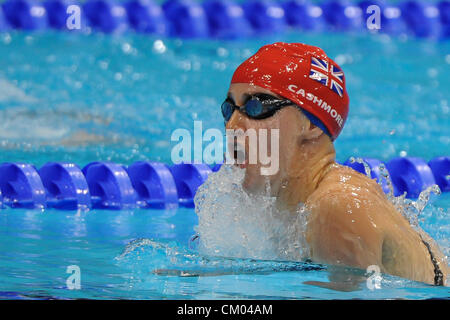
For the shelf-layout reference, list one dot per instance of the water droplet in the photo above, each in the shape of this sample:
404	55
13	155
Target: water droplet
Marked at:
159	46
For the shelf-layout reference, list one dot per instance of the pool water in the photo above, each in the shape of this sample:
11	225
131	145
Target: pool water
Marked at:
37	247
82	98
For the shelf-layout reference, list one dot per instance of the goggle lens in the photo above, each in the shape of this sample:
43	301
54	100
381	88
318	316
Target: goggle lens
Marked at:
255	108
227	110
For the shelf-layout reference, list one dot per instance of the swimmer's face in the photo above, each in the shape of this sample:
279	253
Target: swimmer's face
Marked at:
291	124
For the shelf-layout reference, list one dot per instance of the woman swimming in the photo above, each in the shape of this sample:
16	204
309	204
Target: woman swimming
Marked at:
300	91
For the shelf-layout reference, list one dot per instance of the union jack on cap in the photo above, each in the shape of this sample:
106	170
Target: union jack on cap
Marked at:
327	74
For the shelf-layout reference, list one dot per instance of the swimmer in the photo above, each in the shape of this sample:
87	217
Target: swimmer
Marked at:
300	91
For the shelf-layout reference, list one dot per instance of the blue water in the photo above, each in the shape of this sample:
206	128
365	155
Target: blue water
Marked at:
83	98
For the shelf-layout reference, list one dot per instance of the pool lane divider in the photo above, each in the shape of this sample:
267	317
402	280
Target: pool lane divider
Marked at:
228	19
145	184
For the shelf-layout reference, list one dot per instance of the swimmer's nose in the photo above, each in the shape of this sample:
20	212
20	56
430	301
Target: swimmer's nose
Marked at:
236	121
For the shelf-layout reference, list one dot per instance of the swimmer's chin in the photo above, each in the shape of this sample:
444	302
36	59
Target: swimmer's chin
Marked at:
253	183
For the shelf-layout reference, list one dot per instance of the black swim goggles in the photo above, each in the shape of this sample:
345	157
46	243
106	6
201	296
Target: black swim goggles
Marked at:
257	106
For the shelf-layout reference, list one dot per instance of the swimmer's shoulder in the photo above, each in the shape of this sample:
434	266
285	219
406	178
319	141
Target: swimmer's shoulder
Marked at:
343	227
349	205
353	202
350	191
344	181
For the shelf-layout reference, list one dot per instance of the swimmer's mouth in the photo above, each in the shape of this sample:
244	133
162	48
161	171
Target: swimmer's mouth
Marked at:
239	156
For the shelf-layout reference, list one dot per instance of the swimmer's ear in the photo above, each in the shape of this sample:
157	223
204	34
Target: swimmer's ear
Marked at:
313	132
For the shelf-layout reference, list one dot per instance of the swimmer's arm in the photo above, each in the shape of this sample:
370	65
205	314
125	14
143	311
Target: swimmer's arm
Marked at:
340	234
342	231
203	273
341	279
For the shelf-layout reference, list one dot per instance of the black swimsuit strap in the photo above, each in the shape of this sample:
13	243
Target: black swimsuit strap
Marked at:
438	275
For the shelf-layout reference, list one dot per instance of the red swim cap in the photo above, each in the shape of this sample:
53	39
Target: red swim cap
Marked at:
303	74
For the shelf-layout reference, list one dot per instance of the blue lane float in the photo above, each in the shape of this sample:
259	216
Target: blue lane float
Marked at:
187	19
146	16
226	19
21	186
110	186
65	185
410	175
154	184
303	15
265	16
188	177
422	19
444	12
57	12
4	25
391	19
343	15
216	167
106	15
440	167
25	14
144	184
229	18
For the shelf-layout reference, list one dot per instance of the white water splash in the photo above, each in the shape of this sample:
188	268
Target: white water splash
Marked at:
235	224
410	209
367	169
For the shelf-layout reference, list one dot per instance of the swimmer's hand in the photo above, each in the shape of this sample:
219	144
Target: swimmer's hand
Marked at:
192	273
201	273
341	279
174	272
343	286
337	286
